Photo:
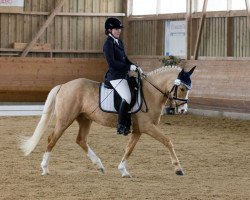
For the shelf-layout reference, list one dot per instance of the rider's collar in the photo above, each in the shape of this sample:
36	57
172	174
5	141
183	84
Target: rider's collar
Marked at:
115	39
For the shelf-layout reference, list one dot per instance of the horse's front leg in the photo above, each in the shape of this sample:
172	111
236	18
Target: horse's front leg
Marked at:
156	133
135	136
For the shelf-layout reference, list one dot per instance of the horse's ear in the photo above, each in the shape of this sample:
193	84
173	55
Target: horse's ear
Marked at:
191	70
181	73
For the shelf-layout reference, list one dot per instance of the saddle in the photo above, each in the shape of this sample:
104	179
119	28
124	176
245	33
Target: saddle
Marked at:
110	100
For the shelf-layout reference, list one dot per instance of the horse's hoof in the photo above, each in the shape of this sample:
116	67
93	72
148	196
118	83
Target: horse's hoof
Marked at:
126	176
101	170
45	173
179	172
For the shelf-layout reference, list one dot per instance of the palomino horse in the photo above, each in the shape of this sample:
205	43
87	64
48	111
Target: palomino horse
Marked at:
78	100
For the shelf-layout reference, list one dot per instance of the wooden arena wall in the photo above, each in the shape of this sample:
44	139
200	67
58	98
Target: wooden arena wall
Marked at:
30	79
217	84
76	31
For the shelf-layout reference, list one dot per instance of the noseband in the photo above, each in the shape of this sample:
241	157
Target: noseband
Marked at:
172	95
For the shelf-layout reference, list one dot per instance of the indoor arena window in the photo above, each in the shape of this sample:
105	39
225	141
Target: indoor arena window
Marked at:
153	7
212	5
142	7
238	4
170	6
150	7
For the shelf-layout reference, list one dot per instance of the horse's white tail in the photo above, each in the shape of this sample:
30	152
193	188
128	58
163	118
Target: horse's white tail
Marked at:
29	144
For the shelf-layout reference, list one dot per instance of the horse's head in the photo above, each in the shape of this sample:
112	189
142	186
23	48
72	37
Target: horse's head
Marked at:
179	93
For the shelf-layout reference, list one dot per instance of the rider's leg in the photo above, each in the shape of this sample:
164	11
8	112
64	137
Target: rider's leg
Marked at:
122	88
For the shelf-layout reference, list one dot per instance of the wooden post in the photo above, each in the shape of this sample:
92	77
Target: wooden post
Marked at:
159	37
198	40
43	28
195	4
189	29
126	23
229	36
229	5
129	8
248	14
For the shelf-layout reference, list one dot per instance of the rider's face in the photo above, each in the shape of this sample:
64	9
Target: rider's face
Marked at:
116	32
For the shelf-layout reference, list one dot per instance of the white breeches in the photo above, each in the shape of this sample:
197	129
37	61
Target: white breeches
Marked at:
122	88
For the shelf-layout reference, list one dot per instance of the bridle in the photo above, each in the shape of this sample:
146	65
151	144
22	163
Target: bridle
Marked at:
172	95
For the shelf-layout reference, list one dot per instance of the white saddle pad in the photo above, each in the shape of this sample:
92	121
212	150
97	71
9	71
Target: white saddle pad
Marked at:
106	100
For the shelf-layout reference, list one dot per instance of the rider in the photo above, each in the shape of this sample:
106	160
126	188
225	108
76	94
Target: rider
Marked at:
118	67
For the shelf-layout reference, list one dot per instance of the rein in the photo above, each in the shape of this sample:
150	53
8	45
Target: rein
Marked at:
157	88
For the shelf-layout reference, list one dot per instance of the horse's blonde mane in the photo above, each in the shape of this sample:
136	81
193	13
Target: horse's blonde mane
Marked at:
164	68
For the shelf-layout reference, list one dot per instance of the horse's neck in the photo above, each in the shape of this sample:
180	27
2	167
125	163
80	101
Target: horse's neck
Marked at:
155	86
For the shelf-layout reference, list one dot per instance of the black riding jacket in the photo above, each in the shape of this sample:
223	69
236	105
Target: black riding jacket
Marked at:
118	63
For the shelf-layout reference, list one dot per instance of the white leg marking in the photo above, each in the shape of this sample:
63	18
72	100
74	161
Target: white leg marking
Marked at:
123	170
45	163
95	160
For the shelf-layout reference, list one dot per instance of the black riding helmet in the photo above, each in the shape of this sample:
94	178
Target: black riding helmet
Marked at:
113	23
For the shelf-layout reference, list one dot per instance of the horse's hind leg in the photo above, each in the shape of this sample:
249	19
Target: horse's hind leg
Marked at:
81	140
135	136
52	139
60	127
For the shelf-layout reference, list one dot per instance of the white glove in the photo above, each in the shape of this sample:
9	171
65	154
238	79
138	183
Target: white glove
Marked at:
140	70
133	68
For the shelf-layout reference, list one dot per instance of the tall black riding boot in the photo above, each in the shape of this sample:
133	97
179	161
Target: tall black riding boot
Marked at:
122	118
